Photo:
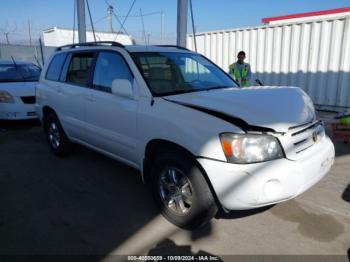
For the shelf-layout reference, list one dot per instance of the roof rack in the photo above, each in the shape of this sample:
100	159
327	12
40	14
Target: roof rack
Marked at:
112	43
174	46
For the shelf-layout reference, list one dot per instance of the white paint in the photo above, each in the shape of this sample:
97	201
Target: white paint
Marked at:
60	36
17	110
121	128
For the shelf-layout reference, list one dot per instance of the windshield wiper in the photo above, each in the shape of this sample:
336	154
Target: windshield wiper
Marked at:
192	90
215	87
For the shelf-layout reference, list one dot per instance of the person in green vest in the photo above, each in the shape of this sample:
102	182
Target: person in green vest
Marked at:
240	70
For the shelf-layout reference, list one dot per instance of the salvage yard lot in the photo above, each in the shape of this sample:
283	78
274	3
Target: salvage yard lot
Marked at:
89	204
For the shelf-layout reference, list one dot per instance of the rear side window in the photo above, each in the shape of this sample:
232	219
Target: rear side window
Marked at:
79	69
110	66
55	67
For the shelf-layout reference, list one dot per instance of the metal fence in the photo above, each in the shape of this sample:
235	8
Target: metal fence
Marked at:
313	55
25	53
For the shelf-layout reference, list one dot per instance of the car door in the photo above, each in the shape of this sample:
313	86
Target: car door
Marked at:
76	77
111	119
53	86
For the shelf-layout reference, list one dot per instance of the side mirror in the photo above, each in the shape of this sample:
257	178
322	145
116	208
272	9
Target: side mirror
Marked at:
122	87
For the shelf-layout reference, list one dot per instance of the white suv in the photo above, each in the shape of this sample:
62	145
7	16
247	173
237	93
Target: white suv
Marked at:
198	140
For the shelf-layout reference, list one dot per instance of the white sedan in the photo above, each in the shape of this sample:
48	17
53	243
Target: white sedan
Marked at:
17	90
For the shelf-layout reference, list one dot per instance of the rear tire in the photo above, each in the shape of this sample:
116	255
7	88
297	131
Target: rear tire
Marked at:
181	191
55	135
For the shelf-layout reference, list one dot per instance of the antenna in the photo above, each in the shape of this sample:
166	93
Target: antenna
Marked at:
14	62
16	66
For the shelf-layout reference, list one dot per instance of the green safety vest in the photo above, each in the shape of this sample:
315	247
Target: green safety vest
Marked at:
345	120
237	74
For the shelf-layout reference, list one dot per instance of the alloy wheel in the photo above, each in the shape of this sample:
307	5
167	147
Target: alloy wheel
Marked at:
176	191
54	135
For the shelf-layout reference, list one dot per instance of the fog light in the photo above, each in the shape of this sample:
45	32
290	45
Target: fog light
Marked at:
11	114
272	188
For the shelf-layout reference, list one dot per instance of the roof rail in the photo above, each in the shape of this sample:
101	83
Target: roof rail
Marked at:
174	46
112	43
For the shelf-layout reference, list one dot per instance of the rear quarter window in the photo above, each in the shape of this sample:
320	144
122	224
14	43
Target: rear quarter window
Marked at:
55	67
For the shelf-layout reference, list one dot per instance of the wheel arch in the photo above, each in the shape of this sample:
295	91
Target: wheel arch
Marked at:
46	111
157	146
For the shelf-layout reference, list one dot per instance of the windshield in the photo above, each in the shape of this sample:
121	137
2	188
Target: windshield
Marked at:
168	73
19	73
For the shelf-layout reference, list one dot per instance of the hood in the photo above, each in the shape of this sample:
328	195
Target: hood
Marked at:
19	88
276	108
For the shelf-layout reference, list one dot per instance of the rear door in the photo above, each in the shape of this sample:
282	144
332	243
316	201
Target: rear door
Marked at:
52	86
111	119
76	76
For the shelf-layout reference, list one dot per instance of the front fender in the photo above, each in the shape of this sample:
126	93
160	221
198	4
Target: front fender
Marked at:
193	130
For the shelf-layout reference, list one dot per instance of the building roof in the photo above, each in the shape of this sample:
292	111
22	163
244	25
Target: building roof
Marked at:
57	28
308	14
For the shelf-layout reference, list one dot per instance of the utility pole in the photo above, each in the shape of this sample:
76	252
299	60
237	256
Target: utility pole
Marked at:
182	11
148	37
81	20
143	27
110	18
161	26
30	33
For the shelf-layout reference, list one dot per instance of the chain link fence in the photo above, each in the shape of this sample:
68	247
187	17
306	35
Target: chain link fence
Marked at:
36	54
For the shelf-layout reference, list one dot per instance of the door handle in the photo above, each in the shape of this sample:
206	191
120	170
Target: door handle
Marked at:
91	98
57	88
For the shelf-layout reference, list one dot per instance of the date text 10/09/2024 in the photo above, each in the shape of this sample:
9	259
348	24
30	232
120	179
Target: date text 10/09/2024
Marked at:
174	258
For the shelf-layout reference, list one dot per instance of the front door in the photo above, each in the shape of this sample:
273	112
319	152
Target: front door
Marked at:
111	119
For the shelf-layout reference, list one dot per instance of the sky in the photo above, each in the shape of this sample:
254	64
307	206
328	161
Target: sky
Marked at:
208	14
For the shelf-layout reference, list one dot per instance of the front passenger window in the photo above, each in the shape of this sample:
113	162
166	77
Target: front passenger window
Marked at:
110	66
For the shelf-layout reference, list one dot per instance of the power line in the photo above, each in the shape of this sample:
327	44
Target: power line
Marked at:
115	15
92	24
120	23
145	14
99	20
132	5
193	27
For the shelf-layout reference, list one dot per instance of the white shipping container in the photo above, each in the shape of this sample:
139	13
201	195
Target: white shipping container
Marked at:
61	36
313	55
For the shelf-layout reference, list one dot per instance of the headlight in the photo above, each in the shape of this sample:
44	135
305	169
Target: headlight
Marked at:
250	148
5	97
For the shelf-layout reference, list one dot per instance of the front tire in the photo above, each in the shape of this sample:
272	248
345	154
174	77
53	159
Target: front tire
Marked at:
181	191
55	135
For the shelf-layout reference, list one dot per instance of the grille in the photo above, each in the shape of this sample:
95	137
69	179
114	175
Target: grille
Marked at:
28	99
308	136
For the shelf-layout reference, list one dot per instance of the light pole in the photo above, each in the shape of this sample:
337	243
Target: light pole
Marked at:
182	11
81	20
110	18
